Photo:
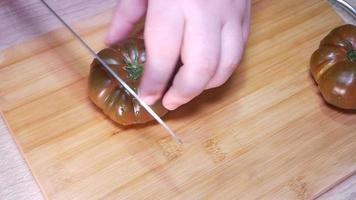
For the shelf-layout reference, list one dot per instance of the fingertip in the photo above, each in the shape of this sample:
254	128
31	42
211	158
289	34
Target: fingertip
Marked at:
127	14
149	91
170	104
171	107
174	99
110	38
118	31
149	99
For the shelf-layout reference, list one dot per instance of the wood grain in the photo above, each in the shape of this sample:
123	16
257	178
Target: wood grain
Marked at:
26	19
23	20
266	134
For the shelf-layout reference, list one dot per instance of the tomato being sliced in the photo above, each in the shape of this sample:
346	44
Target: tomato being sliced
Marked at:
127	60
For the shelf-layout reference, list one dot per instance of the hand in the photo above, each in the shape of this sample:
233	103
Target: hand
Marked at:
209	35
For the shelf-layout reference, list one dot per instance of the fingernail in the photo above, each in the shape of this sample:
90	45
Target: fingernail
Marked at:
109	39
171	106
150	100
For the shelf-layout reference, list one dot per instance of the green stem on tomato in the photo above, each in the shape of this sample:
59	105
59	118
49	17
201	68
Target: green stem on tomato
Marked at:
134	71
351	55
351	52
133	68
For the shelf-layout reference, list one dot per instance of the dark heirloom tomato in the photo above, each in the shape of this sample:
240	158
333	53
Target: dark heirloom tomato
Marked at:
333	67
127	60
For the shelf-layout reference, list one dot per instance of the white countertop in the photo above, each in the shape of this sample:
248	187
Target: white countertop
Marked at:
15	176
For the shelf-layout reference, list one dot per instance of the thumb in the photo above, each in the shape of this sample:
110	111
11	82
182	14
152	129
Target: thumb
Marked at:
127	13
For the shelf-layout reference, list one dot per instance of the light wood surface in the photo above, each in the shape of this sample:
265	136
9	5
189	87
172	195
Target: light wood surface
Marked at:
25	19
22	20
266	134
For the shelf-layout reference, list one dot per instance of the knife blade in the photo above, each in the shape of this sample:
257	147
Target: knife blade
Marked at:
112	73
347	6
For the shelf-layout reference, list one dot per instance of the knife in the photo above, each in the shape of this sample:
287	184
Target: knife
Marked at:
112	73
347	6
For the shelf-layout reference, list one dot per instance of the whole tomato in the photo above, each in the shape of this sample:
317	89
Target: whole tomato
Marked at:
333	67
127	60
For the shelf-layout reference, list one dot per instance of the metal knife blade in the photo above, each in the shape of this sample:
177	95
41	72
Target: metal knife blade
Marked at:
347	6
122	82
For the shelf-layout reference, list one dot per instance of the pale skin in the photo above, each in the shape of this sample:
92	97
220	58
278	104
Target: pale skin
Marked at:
208	35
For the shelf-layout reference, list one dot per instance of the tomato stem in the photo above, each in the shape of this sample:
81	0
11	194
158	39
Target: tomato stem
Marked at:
134	71
351	52
351	55
133	67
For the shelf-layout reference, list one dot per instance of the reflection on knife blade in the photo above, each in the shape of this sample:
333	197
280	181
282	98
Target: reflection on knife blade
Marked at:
347	6
122	82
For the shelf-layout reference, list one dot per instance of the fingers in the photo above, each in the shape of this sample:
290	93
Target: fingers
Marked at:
200	55
210	51
127	13
234	38
163	38
231	52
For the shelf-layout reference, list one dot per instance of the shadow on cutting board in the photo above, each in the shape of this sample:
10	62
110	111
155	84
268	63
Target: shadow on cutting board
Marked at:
211	97
333	112
330	110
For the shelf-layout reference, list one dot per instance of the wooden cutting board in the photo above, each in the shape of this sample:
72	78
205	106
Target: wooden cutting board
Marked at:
266	134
